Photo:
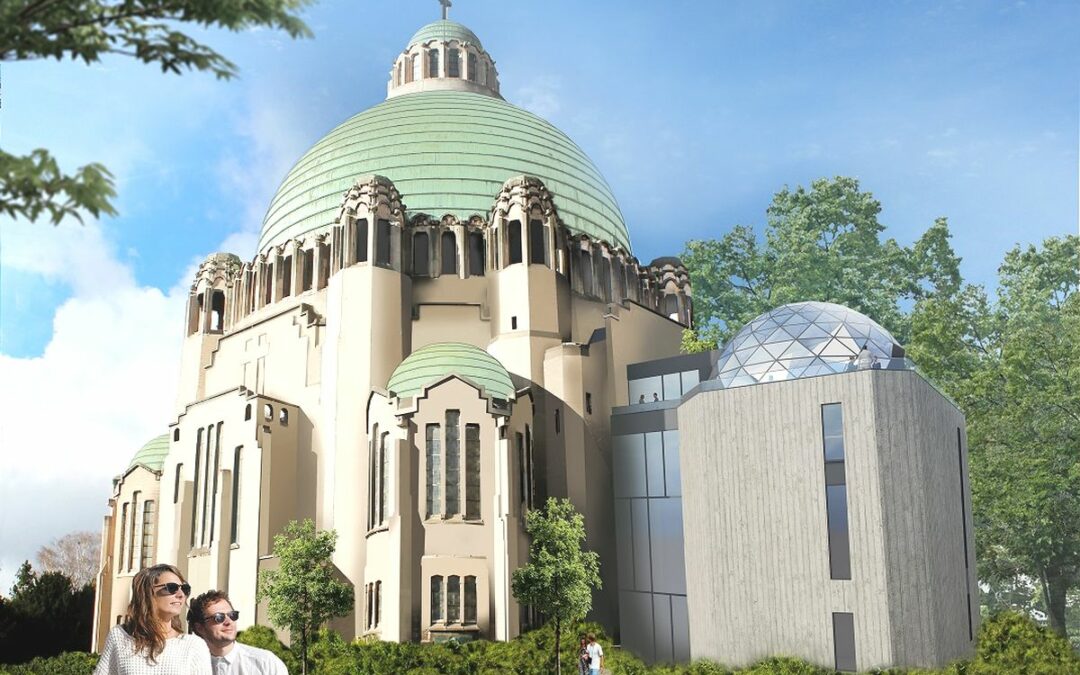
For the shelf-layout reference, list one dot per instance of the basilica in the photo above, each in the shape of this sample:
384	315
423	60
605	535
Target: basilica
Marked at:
444	323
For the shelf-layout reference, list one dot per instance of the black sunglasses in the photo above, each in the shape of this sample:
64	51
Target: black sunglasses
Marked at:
219	617
172	587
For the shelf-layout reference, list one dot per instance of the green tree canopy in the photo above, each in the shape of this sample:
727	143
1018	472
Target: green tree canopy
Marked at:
1013	364
45	615
304	591
559	577
824	243
87	30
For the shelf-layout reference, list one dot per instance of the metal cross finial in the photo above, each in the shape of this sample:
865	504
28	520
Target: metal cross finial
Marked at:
445	8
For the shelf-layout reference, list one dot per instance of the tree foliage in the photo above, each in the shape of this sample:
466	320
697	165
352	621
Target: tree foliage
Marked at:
304	591
559	578
88	30
1013	364
76	555
44	616
823	243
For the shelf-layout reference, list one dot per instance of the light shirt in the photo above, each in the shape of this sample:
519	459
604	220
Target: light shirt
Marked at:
595	652
183	655
246	660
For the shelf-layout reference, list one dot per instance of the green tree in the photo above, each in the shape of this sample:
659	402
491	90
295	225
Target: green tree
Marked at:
45	615
87	30
303	592
559	577
1013	364
823	243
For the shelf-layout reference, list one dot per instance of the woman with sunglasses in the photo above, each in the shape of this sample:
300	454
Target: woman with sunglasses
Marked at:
150	639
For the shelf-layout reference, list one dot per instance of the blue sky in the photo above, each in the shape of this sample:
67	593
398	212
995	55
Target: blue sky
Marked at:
696	113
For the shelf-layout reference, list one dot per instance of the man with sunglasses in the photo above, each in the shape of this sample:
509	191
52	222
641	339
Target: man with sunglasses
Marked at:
211	616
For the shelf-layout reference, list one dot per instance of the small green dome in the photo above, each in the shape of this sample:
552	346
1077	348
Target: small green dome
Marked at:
434	362
152	455
446	152
444	30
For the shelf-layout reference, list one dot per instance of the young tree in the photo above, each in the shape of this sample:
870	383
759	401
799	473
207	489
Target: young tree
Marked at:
87	30
303	592
559	577
1014	367
822	243
44	616
76	555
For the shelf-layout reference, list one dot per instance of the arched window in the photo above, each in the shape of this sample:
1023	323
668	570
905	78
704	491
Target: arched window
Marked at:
416	71
420	265
537	245
585	263
671	307
398	75
470	600
476	254
434	470
472	68
433	62
449	253
285	280
605	278
453	599
436	599
453	462
453	63
360	245
514	233
472	472
217	311
382	243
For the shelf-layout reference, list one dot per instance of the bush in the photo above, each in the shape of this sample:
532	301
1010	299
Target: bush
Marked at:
1011	643
264	637
69	663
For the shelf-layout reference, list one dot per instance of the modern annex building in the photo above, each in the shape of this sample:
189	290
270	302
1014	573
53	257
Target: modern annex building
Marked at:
444	324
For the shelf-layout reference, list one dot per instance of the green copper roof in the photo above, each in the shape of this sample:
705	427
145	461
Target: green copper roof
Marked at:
434	362
447	152
153	453
444	30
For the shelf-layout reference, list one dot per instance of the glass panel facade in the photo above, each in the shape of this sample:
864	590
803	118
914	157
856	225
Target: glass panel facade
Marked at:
646	390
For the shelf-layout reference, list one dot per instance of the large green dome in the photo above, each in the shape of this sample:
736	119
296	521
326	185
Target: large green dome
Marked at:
432	363
152	455
447	152
444	30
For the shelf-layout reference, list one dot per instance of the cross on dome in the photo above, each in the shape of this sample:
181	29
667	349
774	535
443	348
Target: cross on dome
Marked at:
446	4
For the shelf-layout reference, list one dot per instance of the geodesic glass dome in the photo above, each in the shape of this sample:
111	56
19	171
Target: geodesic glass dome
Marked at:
802	339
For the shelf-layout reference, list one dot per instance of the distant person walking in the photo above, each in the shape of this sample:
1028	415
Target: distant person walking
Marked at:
596	655
864	359
583	648
213	618
150	640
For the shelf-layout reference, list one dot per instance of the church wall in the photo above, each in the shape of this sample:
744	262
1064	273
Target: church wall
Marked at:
450	323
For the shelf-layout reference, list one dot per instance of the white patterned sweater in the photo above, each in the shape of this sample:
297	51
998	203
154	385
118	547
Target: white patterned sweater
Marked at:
183	655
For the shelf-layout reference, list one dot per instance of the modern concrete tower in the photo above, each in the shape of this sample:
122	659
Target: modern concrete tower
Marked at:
428	340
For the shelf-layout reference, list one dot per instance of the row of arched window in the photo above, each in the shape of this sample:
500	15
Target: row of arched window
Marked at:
459	63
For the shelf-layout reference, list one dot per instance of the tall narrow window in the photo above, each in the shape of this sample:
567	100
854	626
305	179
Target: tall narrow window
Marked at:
453	599
384	483
963	522
123	538
472	67
307	275
217	311
530	487
415	71
195	486
360	243
373	467
470	601
369	592
147	545
434	471
234	525
537	247
382	243
832	430
453	63
132	542
436	599
420	255
514	234
476	254
286	277
844	641
472	471
605	279
214	493
449	253
453	463
585	263
519	441
176	484
378	603
433	63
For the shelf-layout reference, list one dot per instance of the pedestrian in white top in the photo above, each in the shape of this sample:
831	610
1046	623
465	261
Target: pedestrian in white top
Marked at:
596	655
213	618
150	641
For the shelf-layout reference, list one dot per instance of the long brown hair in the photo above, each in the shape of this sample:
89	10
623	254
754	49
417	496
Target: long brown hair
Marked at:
140	622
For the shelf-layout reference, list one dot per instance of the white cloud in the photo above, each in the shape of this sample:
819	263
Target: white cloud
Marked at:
541	96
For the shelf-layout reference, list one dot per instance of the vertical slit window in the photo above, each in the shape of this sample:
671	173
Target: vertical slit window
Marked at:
436	599
214	492
360	240
476	254
234	526
519	441
384	466
176	484
373	477
217	311
832	431
420	251
307	277
195	481
434	471
470	600
844	641
453	63
433	62
472	67
286	277
147	545
123	538
530	487
369	591
964	530
514	233
453	599
453	463
449	253
585	260
382	242
132	543
472	471
415	71
537	249
378	603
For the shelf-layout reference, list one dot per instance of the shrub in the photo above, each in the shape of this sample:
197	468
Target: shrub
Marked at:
1012	643
264	637
68	663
